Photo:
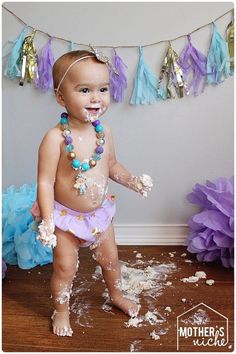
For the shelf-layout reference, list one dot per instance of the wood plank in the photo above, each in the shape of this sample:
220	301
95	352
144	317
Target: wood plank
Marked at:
27	306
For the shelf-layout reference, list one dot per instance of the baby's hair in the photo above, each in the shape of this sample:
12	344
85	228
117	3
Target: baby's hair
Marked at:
62	63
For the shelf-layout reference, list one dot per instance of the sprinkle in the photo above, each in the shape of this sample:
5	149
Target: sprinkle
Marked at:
183	300
80	217
63	212
138	255
210	282
183	255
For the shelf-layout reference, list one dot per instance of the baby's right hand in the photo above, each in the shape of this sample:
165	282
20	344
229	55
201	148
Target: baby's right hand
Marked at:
46	232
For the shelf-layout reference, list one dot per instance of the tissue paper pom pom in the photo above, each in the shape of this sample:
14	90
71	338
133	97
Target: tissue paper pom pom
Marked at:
20	246
212	230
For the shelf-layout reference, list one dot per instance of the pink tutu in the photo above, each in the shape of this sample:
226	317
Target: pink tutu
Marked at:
86	226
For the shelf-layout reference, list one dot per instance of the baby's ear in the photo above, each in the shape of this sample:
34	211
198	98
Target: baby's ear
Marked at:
59	98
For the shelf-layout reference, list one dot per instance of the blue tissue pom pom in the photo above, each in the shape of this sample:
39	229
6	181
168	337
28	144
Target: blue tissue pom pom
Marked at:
19	242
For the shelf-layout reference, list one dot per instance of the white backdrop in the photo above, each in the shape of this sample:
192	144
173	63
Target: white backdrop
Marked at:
178	142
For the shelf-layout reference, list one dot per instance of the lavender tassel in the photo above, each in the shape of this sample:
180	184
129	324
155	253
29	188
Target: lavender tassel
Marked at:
218	63
12	68
192	61
118	83
46	61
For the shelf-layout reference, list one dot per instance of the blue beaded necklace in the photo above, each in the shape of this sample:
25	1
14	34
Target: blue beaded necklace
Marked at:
80	180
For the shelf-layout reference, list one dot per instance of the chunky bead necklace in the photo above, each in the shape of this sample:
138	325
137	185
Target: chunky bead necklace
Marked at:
80	180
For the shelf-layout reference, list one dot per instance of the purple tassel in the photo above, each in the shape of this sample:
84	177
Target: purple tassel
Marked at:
193	61
118	83
46	61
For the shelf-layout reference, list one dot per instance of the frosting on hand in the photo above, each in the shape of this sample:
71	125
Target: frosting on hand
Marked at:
141	184
46	232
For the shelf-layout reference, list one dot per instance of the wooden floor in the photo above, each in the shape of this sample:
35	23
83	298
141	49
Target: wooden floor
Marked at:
27	307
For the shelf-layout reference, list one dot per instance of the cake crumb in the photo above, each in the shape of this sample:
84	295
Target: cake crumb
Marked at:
183	300
169	283
200	275
138	255
191	279
154	335
168	308
210	281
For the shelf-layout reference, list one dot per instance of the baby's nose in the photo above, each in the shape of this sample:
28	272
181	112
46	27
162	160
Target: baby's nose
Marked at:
95	97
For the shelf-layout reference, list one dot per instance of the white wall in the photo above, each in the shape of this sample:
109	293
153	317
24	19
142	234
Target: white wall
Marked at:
179	142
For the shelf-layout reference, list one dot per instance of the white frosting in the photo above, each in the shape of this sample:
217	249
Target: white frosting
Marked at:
46	232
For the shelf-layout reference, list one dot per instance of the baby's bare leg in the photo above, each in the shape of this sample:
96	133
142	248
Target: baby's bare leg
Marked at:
106	254
65	265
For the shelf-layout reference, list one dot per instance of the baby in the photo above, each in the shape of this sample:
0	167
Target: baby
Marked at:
76	158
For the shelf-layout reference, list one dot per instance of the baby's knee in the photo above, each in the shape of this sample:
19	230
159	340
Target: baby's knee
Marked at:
65	269
108	263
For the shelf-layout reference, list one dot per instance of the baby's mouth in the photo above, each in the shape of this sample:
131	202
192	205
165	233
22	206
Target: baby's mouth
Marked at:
93	111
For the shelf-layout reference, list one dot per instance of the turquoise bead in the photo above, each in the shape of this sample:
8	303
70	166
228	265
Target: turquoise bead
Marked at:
64	121
99	128
76	163
85	166
96	157
69	148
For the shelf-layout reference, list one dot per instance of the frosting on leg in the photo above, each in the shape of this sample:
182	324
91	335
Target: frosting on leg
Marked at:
106	254
65	265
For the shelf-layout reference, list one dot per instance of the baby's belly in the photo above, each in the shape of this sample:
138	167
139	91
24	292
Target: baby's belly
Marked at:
96	191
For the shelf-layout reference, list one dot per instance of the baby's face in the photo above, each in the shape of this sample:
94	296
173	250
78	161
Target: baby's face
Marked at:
85	90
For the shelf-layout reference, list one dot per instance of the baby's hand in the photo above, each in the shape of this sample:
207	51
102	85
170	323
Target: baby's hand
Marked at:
46	232
141	184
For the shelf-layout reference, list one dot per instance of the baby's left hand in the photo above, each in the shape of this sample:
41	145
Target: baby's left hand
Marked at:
144	184
141	184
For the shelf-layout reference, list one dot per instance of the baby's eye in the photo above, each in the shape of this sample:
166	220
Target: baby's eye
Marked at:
104	89
84	90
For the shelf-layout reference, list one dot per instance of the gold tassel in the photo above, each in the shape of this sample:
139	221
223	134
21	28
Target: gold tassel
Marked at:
29	70
170	65
230	39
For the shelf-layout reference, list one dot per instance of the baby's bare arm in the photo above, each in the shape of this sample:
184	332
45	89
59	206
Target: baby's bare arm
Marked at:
48	157
117	172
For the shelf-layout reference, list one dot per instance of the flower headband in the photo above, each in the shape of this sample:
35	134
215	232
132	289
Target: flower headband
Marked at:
95	53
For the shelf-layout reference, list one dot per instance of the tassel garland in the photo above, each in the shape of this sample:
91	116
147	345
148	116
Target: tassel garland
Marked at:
145	86
28	60
230	40
217	59
171	79
118	83
12	68
20	60
44	81
193	62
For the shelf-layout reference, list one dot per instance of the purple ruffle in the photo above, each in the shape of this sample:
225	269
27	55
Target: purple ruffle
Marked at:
4	268
212	229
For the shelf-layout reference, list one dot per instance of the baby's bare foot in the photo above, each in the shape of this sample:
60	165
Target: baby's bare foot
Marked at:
61	323
126	305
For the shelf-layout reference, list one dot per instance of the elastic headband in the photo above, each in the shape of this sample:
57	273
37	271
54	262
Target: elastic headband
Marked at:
74	62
